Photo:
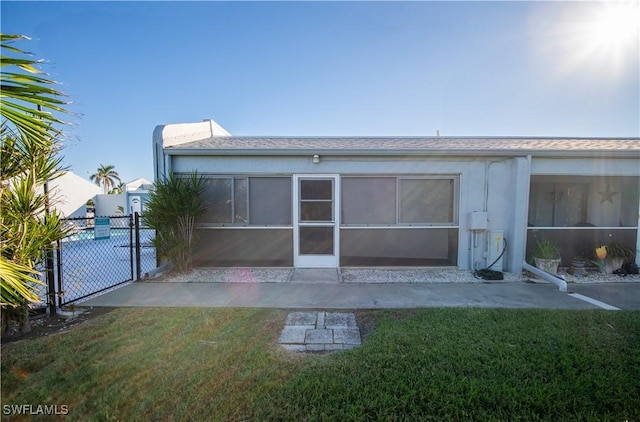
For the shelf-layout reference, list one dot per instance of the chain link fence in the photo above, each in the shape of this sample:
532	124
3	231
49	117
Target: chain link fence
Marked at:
99	254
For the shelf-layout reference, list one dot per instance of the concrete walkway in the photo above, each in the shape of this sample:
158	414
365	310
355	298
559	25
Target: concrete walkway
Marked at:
366	296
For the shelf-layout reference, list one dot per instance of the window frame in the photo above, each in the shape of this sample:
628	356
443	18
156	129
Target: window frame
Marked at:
247	195
398	218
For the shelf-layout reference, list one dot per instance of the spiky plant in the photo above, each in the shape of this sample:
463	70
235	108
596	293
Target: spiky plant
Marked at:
172	209
30	144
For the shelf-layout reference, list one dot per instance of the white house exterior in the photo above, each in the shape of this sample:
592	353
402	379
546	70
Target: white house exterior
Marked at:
137	193
70	194
406	201
131	200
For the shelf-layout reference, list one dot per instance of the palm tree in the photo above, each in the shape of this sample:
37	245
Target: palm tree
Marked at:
26	87
29	147
106	177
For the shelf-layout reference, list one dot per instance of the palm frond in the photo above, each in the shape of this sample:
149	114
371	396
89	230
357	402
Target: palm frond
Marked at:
17	283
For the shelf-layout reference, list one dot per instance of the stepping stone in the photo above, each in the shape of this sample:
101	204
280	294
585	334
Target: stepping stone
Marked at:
319	336
293	334
320	332
347	336
340	320
302	318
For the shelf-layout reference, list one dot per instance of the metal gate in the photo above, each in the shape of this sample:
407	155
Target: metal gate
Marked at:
99	254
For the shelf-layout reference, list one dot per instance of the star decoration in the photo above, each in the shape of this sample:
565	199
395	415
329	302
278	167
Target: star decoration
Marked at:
607	195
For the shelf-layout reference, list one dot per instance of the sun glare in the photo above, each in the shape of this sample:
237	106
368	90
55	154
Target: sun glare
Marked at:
594	39
615	26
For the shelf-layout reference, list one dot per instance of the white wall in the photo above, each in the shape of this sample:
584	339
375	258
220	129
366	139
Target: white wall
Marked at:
69	194
107	205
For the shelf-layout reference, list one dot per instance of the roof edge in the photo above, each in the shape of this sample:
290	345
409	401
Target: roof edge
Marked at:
404	152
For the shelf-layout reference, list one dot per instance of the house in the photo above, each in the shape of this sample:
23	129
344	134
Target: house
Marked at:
70	194
131	200
137	193
408	201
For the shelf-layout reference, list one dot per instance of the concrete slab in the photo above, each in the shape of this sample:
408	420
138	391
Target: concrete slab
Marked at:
347	336
319	336
340	320
315	348
360	296
315	275
620	295
294	347
294	334
302	318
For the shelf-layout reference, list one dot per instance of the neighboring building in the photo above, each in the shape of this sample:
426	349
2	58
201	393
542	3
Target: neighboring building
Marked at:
137	193
406	201
131	200
70	194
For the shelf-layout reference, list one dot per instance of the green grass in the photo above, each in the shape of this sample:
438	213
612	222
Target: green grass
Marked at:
439	364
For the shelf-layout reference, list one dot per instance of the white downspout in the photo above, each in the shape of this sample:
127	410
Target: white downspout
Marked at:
562	285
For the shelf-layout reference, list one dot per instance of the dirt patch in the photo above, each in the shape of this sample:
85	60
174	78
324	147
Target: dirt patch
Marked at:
43	325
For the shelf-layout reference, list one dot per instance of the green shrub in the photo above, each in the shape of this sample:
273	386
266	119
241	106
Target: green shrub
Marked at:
172	209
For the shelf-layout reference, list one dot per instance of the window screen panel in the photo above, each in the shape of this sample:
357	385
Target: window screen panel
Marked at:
629	204
583	201
217	196
270	200
398	247
240	206
316	240
426	200
316	211
369	200
316	189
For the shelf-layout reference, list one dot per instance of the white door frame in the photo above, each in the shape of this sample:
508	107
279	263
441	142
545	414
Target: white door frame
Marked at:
324	260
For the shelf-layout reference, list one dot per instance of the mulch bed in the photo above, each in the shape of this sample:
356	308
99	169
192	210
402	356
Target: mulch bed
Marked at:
44	325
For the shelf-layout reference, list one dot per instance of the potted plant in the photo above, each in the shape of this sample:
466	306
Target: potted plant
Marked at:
577	266
617	253
546	255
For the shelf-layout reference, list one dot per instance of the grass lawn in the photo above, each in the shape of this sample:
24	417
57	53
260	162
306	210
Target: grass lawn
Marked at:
440	364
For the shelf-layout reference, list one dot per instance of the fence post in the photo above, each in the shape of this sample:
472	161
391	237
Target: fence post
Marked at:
51	284
131	245
59	268
137	243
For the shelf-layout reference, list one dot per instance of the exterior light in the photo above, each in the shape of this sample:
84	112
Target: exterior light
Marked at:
316	159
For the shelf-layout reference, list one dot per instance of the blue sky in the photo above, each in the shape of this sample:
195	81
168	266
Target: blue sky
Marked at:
329	68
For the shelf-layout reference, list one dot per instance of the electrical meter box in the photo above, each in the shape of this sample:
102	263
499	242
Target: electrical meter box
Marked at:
478	221
494	248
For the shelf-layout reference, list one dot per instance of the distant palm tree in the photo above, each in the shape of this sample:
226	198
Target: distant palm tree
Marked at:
118	189
106	177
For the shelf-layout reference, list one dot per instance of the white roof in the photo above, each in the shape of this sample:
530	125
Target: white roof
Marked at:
138	184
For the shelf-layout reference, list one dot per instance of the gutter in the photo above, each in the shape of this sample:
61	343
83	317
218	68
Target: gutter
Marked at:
399	152
562	285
